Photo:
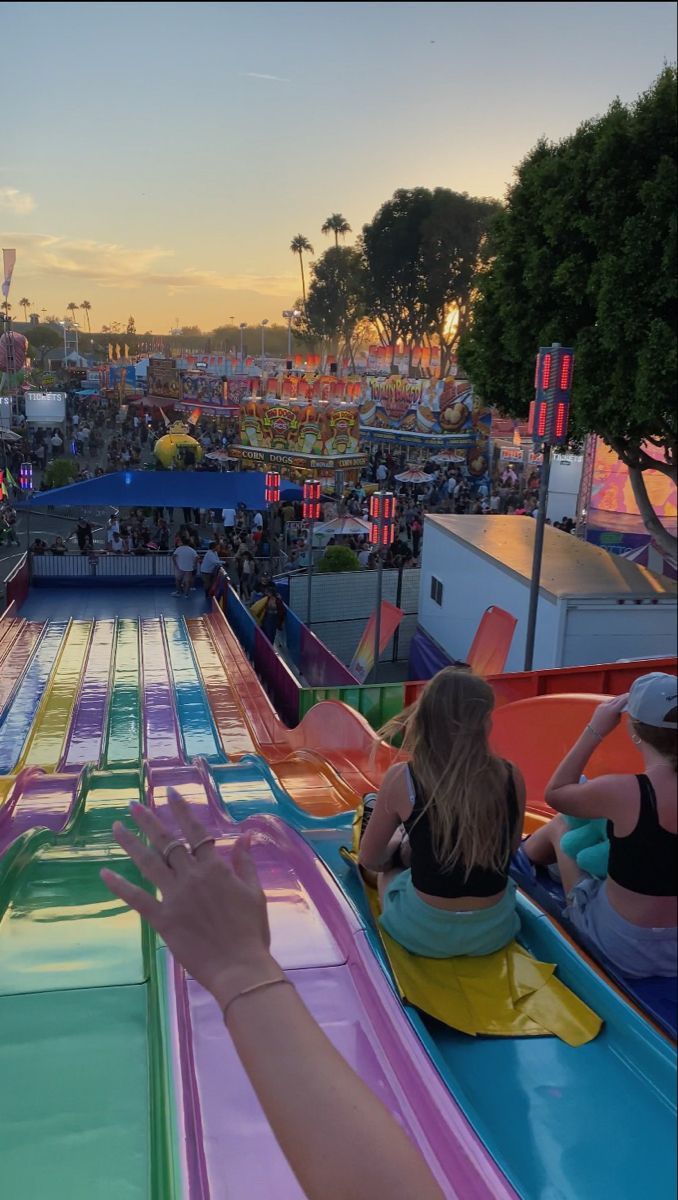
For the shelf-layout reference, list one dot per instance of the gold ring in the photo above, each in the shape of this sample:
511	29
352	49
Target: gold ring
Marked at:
173	845
203	842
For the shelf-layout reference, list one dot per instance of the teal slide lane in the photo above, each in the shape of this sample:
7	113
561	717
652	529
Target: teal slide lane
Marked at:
123	734
198	732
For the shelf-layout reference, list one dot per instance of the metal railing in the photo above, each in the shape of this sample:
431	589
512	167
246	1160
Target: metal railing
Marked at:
101	566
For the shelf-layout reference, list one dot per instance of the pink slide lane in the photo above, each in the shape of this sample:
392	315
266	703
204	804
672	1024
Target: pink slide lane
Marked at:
228	1148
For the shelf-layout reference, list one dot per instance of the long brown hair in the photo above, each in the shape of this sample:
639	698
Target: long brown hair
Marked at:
462	783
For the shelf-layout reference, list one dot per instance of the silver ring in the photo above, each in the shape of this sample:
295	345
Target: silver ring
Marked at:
173	845
203	842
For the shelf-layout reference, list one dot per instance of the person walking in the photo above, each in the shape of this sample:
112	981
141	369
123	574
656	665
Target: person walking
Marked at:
185	558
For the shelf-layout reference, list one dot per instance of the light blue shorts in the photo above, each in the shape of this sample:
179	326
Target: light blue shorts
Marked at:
438	933
634	950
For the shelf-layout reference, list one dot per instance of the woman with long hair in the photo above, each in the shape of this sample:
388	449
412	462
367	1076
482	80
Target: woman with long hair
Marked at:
445	824
630	918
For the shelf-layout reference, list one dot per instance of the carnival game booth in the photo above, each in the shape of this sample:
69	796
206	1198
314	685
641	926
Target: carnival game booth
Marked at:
307	438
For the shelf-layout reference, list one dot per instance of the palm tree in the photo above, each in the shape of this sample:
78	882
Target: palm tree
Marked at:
72	309
87	308
338	225
25	304
6	306
300	245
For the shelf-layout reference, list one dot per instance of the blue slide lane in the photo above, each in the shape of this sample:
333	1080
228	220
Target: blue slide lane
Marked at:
197	728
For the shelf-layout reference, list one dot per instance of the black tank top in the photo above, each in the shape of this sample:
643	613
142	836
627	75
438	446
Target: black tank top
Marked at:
645	860
450	883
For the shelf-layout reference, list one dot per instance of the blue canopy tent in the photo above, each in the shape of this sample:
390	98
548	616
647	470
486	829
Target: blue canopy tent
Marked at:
158	489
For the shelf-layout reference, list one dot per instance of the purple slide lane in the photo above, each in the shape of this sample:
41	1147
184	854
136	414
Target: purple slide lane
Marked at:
36	799
227	1144
160	727
83	743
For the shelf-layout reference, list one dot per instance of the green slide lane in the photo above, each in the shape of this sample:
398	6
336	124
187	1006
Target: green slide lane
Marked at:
83	992
53	903
123	736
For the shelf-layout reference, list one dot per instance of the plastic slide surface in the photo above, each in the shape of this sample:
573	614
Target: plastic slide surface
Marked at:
44	745
199	736
569	1122
537	734
18	719
160	730
19	649
123	734
87	1113
331	757
90	1001
321	945
85	736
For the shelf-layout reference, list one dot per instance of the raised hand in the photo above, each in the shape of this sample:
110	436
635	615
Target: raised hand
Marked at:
212	914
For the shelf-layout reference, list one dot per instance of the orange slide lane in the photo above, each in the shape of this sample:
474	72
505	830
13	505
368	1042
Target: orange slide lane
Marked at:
326	764
536	734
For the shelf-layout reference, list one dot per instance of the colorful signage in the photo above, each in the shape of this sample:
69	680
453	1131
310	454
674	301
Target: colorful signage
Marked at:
309	429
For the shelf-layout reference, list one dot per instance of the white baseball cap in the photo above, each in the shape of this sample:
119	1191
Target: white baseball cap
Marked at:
652	699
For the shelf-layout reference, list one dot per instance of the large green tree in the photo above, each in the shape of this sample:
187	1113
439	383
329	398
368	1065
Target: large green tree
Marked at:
336	299
585	253
421	253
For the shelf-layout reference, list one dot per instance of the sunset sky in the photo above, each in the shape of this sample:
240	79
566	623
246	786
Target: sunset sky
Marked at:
158	158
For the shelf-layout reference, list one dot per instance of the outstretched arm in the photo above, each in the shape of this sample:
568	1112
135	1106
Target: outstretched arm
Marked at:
339	1139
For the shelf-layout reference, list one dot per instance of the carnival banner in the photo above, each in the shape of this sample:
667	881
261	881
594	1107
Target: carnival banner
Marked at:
363	660
299	428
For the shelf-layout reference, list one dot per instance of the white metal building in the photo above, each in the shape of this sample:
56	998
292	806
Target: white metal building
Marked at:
593	606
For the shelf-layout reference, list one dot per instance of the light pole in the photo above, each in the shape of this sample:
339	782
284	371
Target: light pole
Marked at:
291	314
382	517
311	513
264	323
549	416
242	327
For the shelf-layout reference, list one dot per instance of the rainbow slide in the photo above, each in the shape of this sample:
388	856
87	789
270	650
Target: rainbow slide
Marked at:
117	1077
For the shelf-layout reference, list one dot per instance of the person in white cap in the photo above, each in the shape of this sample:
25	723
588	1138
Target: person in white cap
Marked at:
630	918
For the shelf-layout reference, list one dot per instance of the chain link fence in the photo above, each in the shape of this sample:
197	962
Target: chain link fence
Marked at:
341	605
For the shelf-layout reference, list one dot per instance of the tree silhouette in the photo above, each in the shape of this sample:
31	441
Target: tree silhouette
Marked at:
25	304
300	245
87	308
338	225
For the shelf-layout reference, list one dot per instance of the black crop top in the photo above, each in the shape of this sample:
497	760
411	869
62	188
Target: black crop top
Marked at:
645	860
450	883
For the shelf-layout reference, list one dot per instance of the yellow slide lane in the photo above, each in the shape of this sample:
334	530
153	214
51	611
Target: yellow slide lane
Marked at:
45	742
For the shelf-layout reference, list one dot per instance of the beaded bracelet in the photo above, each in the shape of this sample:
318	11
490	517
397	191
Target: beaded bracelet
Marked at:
595	733
255	987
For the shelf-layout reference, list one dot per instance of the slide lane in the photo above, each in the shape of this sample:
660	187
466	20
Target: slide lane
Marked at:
319	762
123	732
560	1121
14	662
229	1146
45	743
79	996
160	730
223	701
34	799
83	744
198	732
18	719
9	630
